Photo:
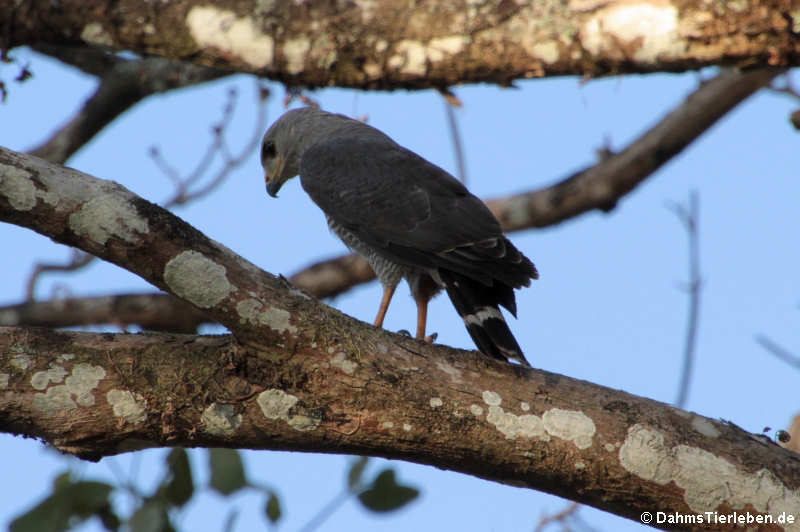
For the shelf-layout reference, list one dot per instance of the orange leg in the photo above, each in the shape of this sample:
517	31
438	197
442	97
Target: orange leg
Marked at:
388	292
422	319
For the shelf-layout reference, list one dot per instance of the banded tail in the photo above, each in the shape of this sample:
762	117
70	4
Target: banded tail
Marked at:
479	307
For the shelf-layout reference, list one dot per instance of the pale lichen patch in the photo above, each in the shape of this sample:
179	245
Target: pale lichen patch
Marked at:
455	373
642	31
410	58
707	479
198	279
705	426
94	33
84	378
570	425
546	51
275	404
435	402
127	406
77	387
492	398
4	380
219	419
407	427
55	399
443	47
238	36
295	51
16	185
524	406
477	410
513	426
21	361
252	311
106	216
343	363
41	379
301	422
387	425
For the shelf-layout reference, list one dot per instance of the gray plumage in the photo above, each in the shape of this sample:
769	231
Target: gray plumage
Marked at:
408	217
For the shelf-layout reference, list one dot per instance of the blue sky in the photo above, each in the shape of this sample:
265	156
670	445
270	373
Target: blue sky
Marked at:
609	307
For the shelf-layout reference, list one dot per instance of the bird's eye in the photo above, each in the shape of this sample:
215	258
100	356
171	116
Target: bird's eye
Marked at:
267	150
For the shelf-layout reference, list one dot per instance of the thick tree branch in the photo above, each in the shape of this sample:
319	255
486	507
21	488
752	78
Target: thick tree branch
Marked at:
302	376
394	44
362	391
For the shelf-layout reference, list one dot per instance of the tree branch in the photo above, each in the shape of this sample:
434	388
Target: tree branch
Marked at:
302	376
394	44
155	312
381	394
124	83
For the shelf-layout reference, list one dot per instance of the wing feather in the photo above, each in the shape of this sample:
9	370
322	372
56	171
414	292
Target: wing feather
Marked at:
409	209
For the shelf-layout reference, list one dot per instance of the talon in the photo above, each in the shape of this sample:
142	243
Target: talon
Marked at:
432	338
404	332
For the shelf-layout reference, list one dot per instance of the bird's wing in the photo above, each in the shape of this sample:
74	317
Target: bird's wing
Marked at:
405	207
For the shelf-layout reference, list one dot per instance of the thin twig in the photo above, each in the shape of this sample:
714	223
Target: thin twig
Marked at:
450	101
559	517
779	352
690	218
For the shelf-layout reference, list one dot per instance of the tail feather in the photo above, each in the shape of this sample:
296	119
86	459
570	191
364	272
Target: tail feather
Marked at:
478	305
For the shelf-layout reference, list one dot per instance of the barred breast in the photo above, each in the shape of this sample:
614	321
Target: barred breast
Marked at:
388	272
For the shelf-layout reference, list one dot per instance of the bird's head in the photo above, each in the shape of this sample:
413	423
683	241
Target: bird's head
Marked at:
277	158
288	138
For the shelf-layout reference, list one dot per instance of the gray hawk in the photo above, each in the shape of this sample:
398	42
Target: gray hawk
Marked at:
408	217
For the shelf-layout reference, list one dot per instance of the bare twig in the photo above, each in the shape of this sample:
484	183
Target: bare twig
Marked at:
559	517
690	218
184	193
78	260
451	101
779	352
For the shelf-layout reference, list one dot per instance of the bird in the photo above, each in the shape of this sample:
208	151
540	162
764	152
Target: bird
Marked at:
409	219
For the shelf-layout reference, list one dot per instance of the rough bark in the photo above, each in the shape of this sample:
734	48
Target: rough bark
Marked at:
397	44
300	375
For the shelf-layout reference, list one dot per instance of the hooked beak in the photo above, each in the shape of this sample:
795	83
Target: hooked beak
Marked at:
272	176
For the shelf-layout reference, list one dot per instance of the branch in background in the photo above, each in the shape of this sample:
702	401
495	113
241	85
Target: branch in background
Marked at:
156	312
778	351
599	187
123	83
690	217
789	87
